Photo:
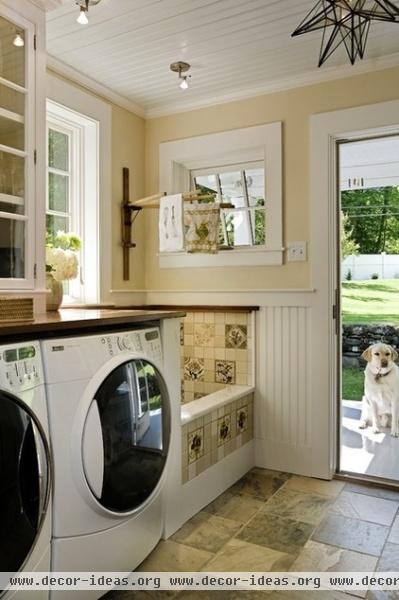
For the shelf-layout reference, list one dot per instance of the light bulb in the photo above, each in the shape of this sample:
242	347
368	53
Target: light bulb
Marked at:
184	84
18	41
82	18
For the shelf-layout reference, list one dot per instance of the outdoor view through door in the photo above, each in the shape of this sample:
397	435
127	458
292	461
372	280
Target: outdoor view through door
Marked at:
369	272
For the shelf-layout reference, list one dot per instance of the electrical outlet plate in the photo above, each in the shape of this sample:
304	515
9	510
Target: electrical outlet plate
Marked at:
297	252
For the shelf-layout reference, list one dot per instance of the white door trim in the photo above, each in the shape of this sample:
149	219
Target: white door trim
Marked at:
325	130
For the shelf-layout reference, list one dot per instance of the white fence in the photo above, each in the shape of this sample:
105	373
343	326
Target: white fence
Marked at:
363	266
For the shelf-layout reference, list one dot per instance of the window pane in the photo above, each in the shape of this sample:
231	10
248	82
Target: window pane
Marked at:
58	150
232	189
206	183
12	248
12	100
241	226
255	179
12	133
260	227
55	223
12	64
12	183
58	192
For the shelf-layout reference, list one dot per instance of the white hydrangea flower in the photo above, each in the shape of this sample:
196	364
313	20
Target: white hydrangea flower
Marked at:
63	262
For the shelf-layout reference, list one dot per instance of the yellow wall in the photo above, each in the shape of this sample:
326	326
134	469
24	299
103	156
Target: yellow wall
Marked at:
294	108
127	150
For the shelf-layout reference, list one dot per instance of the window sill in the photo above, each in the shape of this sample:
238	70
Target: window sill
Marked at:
251	257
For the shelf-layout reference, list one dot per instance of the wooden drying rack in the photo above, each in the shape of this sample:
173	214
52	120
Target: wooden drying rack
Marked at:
130	210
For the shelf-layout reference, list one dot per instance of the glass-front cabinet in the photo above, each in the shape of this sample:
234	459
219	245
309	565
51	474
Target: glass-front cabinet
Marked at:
17	150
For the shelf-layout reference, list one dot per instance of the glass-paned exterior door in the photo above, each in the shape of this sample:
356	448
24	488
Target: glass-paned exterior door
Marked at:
16	153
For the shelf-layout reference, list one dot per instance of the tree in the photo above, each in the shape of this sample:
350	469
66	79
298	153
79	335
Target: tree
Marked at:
371	219
348	245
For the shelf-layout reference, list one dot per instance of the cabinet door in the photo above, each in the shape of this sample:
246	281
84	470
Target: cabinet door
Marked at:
16	151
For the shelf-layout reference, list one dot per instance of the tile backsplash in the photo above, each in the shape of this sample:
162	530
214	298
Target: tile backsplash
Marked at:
216	351
208	439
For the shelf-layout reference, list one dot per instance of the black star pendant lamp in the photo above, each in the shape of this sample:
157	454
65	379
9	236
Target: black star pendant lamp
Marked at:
346	22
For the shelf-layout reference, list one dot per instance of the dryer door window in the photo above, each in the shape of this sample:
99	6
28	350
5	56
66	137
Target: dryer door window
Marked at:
24	481
126	436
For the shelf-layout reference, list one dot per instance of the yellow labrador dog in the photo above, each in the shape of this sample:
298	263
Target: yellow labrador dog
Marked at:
380	402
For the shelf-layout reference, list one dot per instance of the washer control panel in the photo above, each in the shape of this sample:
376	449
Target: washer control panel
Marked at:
20	366
143	341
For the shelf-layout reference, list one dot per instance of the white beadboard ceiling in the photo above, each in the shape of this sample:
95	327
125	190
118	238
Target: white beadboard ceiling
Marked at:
237	48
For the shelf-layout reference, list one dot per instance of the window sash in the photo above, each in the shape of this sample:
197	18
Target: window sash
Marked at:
247	209
72	288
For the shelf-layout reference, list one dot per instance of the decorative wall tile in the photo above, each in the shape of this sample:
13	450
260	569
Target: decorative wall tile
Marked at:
224	429
242	419
236	336
194	369
198	395
225	371
215	336
195	445
204	334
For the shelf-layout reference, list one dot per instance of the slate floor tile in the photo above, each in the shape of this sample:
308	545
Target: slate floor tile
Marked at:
394	535
279	533
260	483
367	508
352	534
300	506
317	486
389	560
238	555
206	532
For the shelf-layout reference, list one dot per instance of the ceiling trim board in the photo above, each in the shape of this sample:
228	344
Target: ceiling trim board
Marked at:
60	68
48	4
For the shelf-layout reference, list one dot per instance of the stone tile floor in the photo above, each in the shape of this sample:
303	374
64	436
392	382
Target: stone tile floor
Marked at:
271	521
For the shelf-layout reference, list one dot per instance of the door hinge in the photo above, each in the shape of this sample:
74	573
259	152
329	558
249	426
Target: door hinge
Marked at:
335	310
34	42
35	271
35	156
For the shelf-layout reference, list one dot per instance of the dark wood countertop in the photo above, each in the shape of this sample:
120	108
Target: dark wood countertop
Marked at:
81	321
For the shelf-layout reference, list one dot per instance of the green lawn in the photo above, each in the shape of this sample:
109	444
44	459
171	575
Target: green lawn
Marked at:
373	301
352	383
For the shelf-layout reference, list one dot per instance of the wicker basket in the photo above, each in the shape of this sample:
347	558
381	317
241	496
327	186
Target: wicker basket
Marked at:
16	308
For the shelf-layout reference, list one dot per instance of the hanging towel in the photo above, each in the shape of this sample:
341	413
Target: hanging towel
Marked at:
202	223
171	229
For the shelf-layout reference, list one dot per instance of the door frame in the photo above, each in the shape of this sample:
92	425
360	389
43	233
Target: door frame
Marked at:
326	129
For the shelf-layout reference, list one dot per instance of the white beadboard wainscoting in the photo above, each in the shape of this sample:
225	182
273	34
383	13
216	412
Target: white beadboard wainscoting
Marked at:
283	391
291	432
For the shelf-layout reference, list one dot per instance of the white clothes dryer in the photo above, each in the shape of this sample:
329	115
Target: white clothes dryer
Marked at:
25	466
110	425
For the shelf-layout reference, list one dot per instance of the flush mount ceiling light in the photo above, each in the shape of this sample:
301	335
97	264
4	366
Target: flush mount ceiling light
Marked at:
84	9
18	41
346	22
181	67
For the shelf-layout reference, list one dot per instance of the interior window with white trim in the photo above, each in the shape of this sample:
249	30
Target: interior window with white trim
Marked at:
72	193
243	186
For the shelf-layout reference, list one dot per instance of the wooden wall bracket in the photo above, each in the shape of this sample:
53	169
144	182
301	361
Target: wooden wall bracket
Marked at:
129	213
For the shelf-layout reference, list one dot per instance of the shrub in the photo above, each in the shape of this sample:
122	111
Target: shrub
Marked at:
374	276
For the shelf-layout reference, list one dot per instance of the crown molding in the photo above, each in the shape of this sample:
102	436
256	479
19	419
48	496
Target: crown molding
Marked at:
48	4
320	76
60	68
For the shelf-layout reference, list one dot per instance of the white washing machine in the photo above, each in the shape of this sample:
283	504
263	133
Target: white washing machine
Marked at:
110	426
25	466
